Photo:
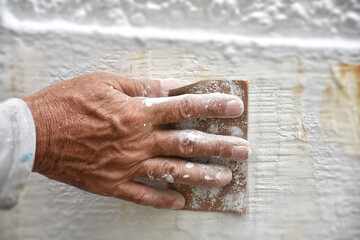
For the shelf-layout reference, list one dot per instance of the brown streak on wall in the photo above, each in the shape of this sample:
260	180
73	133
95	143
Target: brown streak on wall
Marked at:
340	116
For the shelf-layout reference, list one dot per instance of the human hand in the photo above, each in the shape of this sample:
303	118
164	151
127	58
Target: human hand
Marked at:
99	131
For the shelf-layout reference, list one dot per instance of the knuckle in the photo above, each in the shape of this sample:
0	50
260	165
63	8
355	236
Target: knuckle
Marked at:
100	74
95	76
216	107
132	116
142	198
157	143
216	148
171	170
186	145
187	107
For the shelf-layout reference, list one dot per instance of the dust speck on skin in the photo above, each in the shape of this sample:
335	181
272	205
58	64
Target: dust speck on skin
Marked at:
209	178
150	174
185	141
189	165
111	86
218	175
205	167
190	137
168	178
144	124
186	176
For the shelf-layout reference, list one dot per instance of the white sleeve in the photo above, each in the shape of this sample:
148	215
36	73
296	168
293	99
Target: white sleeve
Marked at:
17	149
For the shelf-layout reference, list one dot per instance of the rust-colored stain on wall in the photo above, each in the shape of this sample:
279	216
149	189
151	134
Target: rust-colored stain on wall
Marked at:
341	108
296	92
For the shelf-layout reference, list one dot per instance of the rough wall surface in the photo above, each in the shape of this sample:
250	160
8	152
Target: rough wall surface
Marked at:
303	109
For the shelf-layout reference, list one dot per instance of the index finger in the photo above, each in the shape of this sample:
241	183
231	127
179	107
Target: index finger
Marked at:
190	106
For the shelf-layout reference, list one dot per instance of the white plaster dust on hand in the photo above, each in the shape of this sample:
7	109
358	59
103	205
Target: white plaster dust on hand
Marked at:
195	140
223	174
186	176
190	137
150	174
168	178
148	102
189	165
209	178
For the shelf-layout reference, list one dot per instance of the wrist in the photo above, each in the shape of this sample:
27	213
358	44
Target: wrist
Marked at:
42	120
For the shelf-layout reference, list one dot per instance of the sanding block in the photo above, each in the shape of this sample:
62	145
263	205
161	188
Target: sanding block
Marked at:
232	197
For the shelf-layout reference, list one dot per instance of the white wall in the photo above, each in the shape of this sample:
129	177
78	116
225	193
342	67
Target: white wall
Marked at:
304	175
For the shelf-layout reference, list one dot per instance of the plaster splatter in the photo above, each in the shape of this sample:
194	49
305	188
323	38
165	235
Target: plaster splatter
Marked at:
189	165
209	178
168	178
150	174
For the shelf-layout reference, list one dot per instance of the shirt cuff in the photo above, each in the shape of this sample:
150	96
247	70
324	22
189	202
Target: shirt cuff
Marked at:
17	150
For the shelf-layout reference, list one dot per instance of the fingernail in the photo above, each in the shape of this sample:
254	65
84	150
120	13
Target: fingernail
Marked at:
178	204
234	108
167	84
240	152
224	175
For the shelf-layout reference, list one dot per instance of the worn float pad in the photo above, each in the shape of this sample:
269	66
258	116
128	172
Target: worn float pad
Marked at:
232	197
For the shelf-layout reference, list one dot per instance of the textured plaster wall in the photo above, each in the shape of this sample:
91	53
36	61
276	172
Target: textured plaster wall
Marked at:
304	120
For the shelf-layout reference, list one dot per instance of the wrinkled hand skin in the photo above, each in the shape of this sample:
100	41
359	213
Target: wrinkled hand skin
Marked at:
99	131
